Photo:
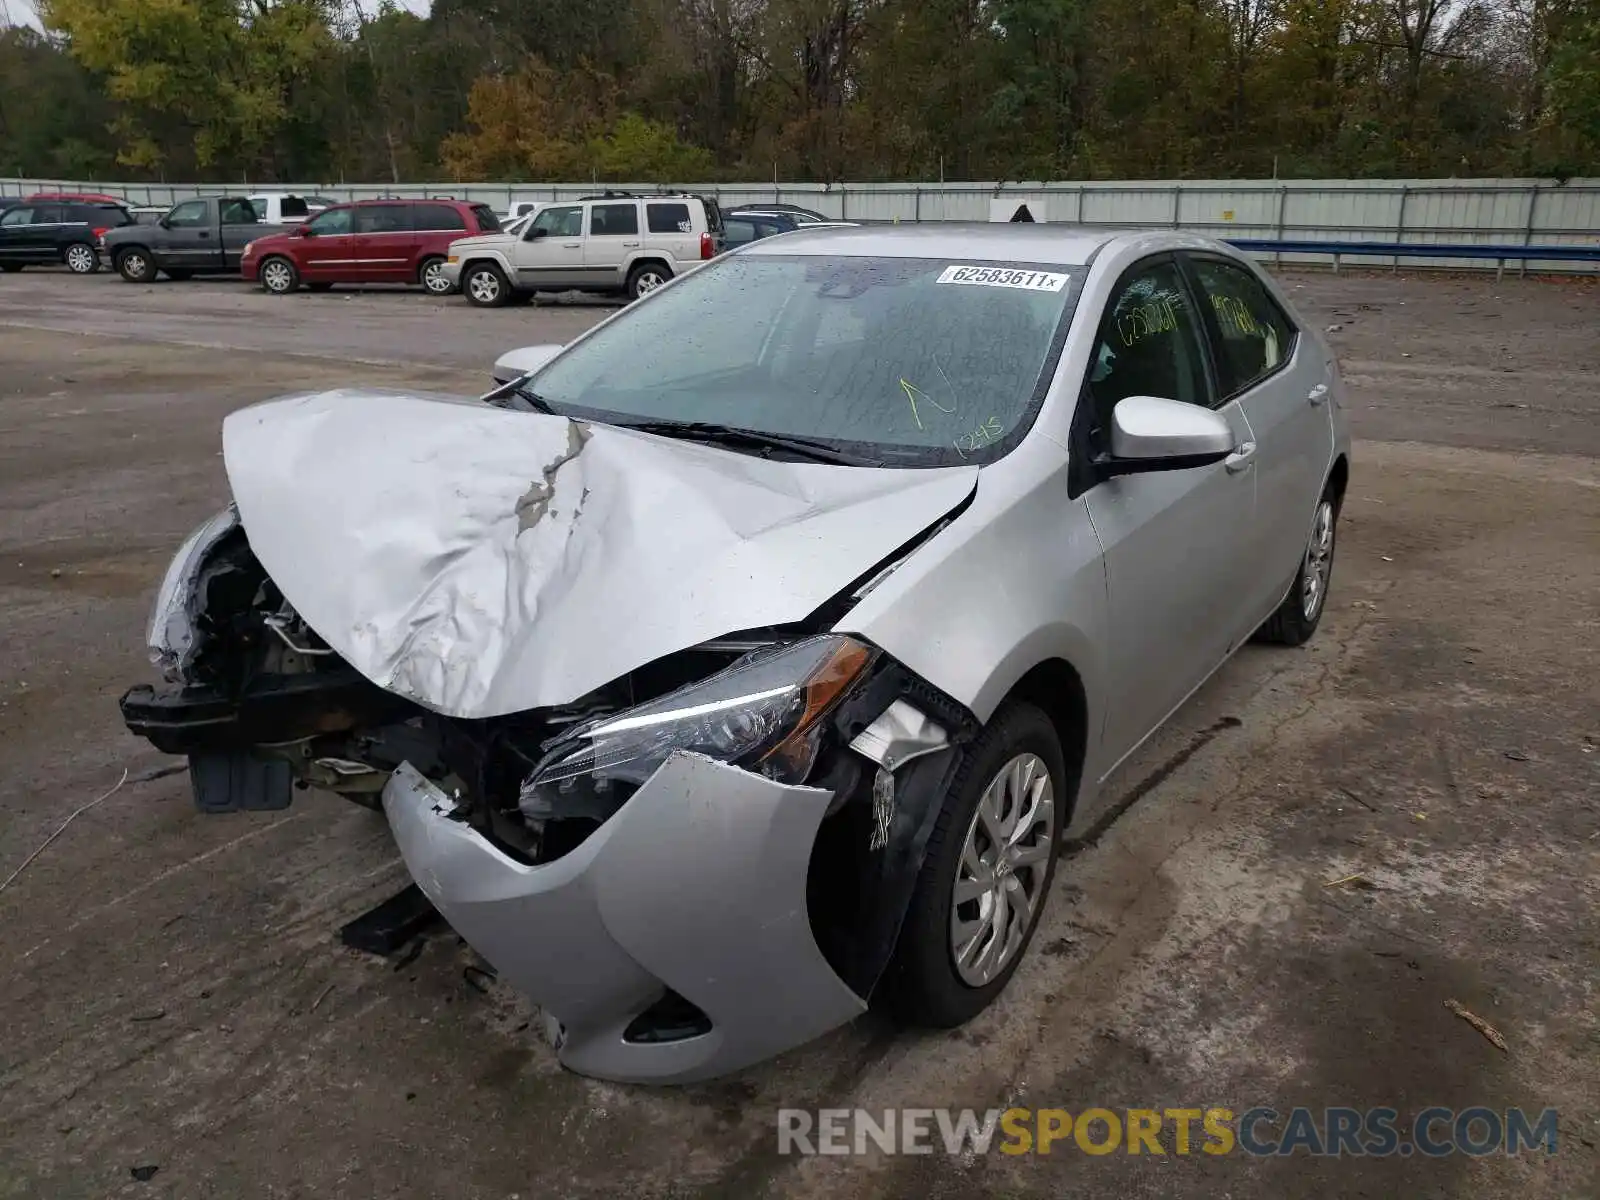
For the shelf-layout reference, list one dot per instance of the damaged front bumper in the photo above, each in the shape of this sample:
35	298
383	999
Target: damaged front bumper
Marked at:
673	945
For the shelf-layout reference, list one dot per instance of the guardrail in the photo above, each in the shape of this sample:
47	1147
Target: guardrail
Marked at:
1500	255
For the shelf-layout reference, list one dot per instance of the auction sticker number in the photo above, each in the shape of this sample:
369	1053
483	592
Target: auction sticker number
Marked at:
1007	277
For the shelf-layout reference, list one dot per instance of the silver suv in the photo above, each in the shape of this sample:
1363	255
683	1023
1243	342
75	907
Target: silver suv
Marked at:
614	242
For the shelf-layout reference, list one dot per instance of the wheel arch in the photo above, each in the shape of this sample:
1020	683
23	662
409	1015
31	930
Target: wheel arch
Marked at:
1339	479
1055	687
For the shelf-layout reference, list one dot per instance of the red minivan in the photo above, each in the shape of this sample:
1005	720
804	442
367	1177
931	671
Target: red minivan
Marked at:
367	241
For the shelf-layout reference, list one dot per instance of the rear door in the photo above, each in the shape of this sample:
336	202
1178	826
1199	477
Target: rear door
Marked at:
549	255
239	227
671	233
384	243
1174	541
613	242
1281	382
189	242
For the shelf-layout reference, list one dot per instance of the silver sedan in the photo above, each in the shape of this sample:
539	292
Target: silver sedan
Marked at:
741	664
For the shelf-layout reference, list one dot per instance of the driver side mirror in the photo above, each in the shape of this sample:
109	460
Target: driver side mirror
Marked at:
302	231
164	221
1151	433
535	232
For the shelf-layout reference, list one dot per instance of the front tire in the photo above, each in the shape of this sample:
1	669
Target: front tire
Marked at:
1301	612
135	266
646	278
81	258
485	285
279	276
986	876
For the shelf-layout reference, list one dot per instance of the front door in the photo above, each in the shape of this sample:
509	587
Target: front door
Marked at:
1173	540
240	225
549	255
327	249
25	233
189	243
1281	382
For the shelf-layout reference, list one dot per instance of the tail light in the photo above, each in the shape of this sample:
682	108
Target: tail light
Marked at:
706	248
101	232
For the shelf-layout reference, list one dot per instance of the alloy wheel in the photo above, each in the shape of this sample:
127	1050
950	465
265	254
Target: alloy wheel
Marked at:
1004	863
277	276
648	281
81	259
1318	562
433	279
484	287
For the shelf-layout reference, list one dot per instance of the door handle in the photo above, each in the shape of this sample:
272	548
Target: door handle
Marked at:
1318	394
205	233
571	245
1240	459
630	245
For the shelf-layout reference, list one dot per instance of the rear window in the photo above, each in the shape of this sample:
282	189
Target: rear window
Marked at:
104	216
486	217
437	217
669	218
294	206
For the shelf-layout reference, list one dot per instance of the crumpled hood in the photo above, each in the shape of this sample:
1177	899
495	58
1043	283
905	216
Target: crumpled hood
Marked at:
482	561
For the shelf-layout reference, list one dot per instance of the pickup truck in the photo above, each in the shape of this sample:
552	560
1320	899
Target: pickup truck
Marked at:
196	237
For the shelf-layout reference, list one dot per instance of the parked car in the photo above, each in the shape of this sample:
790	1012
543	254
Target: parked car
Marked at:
518	209
773	692
51	231
79	197
614	242
368	241
740	226
285	208
801	216
205	236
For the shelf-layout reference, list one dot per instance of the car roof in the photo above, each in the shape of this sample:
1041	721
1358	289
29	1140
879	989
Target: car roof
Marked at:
1069	245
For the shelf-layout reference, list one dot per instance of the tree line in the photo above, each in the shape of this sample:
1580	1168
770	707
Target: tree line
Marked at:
817	90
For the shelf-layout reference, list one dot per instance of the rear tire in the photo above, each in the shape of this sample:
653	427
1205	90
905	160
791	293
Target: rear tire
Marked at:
431	276
1301	612
81	258
278	276
134	265
646	278
924	985
486	286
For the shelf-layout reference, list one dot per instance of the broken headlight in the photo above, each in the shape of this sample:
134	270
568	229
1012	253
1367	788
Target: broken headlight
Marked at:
171	634
762	713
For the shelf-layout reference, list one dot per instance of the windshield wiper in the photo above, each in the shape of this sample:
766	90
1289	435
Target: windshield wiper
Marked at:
754	439
508	395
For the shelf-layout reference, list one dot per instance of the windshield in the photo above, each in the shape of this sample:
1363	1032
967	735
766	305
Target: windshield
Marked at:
914	362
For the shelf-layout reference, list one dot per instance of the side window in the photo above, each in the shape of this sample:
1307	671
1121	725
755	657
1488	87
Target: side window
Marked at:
488	221
239	212
1255	337
293	206
383	218
188	215
17	216
49	214
260	207
1148	345
736	231
669	218
566	221
330	223
614	220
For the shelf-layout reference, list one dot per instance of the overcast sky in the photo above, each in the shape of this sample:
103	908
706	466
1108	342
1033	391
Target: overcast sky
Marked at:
22	13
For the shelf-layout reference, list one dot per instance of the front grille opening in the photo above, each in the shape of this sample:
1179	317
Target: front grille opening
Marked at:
669	1019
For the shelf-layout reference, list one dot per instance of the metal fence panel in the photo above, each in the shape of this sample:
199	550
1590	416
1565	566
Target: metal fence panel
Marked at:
1507	212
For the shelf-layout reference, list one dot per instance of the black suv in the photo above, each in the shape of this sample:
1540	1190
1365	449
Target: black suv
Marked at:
57	231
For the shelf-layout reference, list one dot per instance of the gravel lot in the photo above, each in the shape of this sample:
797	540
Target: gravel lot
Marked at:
175	994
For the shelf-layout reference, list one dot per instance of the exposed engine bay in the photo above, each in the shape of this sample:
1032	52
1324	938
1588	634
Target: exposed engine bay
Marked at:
262	705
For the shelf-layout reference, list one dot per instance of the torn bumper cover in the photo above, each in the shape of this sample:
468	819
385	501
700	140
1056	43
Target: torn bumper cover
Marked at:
695	888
